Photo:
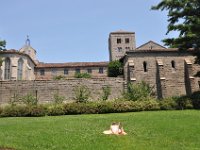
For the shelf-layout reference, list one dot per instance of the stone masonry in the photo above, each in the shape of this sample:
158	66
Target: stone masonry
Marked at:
45	90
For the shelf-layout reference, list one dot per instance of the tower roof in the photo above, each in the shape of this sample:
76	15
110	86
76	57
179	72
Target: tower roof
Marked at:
122	32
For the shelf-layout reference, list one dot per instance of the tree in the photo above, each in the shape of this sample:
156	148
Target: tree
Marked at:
2	45
183	17
115	68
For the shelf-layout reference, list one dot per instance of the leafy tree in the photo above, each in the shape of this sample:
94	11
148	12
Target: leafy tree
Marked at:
115	68
183	17
2	45
139	91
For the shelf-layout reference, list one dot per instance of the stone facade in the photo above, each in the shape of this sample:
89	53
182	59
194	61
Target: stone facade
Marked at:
11	70
170	72
119	43
68	70
44	90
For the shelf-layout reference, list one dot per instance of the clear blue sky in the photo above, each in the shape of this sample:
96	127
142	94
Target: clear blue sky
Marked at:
77	30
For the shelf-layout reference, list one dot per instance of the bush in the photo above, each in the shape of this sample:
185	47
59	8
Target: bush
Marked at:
106	92
37	111
168	104
82	75
82	93
115	68
55	110
15	111
29	100
60	77
183	103
22	111
58	99
195	97
138	91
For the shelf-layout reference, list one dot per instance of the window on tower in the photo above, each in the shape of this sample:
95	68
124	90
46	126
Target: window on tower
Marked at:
119	41
127	40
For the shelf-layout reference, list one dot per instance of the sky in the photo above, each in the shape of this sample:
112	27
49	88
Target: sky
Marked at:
78	30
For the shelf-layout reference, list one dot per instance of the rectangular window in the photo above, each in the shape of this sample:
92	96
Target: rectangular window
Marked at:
89	70
42	72
119	41
127	48
78	70
127	40
65	71
101	70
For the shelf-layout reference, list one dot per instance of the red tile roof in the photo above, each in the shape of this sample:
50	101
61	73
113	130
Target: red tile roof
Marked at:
72	64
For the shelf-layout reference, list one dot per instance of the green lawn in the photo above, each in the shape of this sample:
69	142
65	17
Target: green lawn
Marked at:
158	130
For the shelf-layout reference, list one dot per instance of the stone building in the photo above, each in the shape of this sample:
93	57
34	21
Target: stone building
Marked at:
170	72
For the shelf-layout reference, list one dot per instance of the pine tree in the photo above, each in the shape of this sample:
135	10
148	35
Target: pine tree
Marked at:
183	17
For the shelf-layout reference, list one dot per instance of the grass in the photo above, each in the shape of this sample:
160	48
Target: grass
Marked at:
166	130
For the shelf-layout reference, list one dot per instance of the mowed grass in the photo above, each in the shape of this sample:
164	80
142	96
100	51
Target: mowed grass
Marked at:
157	130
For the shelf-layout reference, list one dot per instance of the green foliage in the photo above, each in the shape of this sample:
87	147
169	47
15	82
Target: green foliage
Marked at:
168	103
82	75
55	110
82	93
138	91
2	45
115	68
167	130
29	100
23	111
183	17
195	97
15	99
60	77
106	92
58	99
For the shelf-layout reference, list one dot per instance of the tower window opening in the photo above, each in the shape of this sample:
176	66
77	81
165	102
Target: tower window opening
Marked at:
127	40
173	64
145	66
119	41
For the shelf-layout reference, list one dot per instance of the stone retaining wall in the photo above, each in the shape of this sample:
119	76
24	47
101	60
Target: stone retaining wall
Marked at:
45	90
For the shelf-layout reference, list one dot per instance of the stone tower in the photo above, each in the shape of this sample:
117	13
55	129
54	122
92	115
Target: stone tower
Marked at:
119	43
27	49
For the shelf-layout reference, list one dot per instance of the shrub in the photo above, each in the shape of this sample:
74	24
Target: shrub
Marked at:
58	99
82	75
15	111
15	99
138	91
82	93
106	92
168	103
37	111
29	100
183	103
60	77
115	68
55	110
195	97
23	111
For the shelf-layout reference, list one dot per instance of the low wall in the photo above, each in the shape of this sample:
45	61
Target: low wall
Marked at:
45	90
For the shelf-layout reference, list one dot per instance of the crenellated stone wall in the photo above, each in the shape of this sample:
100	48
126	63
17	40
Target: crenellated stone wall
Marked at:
45	90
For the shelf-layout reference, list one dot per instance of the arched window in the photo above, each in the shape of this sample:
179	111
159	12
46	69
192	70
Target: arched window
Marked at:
145	66
7	73
173	64
20	69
